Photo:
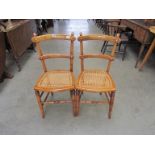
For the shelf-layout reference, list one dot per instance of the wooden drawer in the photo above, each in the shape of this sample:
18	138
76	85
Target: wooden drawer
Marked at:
129	24
20	37
141	34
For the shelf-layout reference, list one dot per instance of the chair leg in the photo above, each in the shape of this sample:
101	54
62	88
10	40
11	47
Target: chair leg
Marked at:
104	47
119	46
71	93
40	104
73	97
112	96
76	104
124	53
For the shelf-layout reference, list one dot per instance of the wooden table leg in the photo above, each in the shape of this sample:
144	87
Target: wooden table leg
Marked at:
149	52
18	64
5	75
139	55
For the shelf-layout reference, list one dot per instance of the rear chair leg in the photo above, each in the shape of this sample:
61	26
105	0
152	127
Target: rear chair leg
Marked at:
78	102
103	46
124	53
112	96
40	104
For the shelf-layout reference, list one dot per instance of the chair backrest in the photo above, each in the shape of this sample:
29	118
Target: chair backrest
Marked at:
114	28
43	57
109	30
112	39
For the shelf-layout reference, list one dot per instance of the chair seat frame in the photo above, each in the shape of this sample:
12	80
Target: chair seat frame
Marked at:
42	94
110	94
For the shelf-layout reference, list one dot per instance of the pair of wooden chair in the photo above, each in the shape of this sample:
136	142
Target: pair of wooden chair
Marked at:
52	81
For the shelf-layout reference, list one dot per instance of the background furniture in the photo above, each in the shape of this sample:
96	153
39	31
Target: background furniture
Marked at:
112	27
96	81
19	34
2	54
52	81
140	32
3	73
150	50
43	24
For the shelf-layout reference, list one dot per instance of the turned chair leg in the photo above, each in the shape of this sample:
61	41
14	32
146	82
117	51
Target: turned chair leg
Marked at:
73	97
40	103
76	103
112	96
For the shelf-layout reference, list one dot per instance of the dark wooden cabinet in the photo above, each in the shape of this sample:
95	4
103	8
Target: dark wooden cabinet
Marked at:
2	54
140	32
19	36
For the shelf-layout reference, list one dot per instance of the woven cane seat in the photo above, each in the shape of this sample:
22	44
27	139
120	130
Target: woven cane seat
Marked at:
55	81
95	81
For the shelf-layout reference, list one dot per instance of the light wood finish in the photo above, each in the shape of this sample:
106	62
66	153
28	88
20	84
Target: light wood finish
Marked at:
98	37
53	37
101	56
152	29
150	50
47	56
52	81
96	81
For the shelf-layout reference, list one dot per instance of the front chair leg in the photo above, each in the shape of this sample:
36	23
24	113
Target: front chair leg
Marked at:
40	104
112	96
72	93
73	97
77	103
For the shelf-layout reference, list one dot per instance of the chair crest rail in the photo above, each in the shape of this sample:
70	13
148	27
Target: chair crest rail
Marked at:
46	37
99	37
48	56
101	56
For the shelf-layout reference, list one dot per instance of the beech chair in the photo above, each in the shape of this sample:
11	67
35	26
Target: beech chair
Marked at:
52	81
96	81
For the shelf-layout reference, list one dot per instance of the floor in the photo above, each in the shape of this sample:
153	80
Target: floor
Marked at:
134	109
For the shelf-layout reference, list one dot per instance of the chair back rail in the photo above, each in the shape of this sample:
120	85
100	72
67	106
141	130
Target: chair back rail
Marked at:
113	39
38	39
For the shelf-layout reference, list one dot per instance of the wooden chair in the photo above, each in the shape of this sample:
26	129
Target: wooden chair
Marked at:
96	81
105	22
52	81
112	28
